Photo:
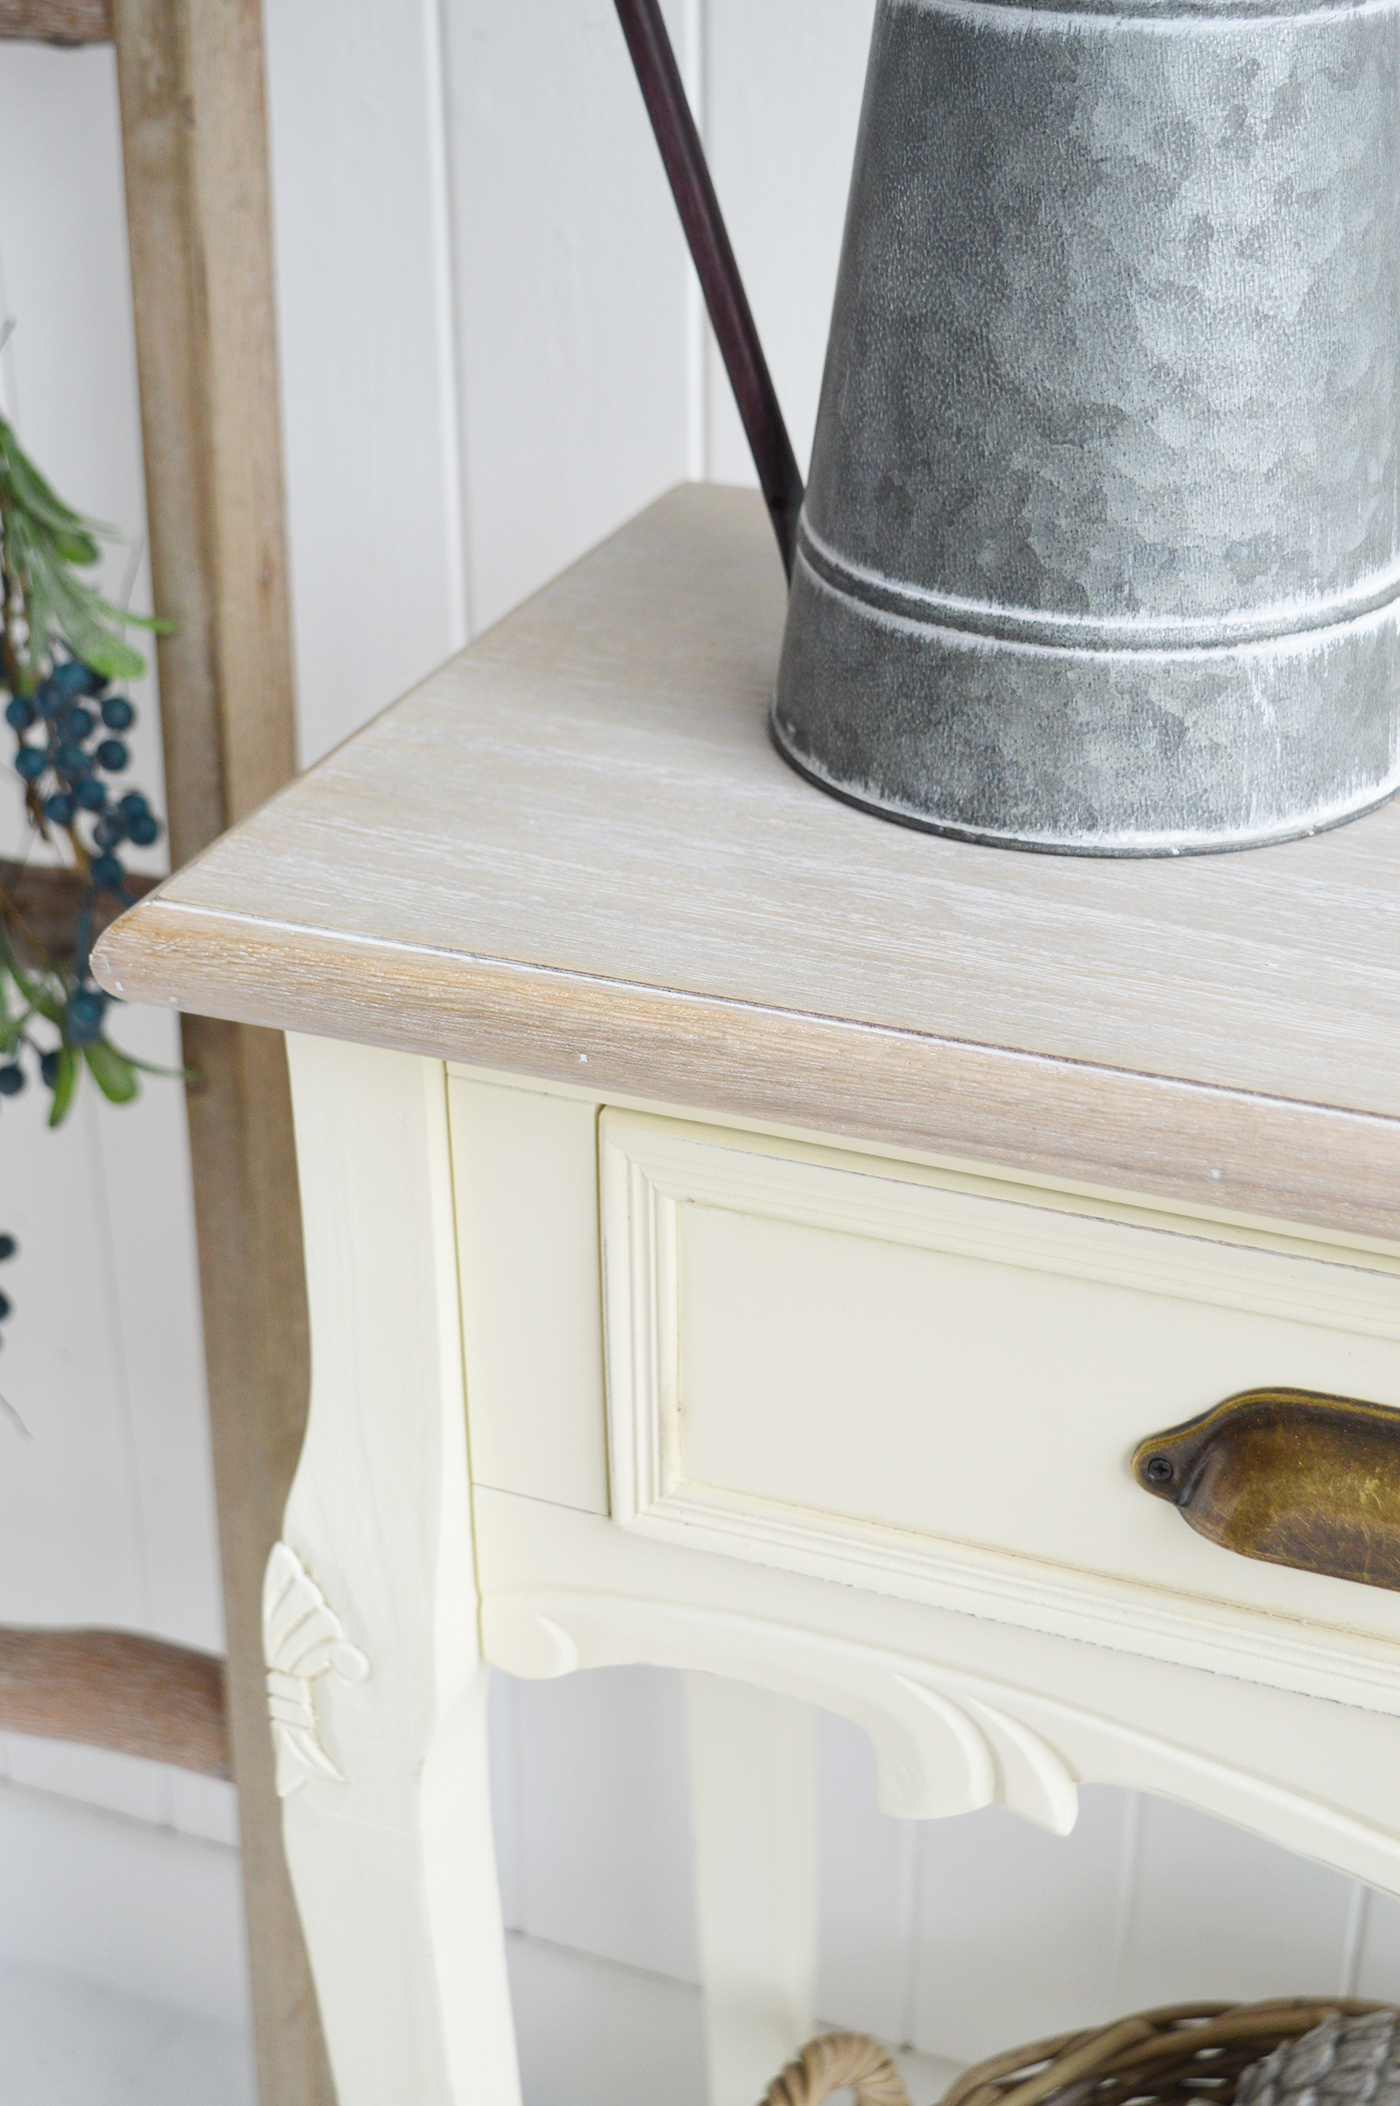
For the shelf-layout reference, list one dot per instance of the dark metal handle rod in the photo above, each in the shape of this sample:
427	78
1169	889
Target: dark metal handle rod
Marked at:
684	158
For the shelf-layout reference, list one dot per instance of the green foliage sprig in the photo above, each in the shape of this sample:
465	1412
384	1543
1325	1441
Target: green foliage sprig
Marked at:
61	650
43	544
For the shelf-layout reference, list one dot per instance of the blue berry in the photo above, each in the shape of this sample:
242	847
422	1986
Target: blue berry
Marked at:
30	762
49	696
48	1070
117	713
5	1307
106	873
131	804
70	760
83	1022
19	714
71	678
11	1079
112	755
79	724
96	681
109	831
59	808
90	794
144	829
8	1247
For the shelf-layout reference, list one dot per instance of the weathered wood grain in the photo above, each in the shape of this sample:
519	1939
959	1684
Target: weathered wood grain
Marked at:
57	21
1064	1119
574	853
195	148
116	1689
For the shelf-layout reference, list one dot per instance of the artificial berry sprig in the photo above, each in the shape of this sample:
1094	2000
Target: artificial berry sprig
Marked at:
62	768
61	651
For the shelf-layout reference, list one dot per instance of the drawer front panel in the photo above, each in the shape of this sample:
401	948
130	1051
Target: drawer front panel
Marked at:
934	1384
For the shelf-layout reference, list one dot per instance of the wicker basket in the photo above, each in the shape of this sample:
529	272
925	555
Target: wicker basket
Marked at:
1180	2055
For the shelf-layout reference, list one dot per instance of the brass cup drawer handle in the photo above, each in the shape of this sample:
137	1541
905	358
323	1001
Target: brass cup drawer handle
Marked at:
1288	1475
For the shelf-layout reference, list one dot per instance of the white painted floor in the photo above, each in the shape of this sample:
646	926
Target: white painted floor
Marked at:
65	2042
591	2033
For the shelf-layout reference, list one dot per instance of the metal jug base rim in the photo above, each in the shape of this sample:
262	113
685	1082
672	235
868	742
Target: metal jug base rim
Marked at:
1138	847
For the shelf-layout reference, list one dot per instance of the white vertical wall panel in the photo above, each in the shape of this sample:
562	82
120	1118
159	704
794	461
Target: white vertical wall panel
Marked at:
144	1204
573	309
1017	1929
967	1936
782	94
106	1507
1377	1970
114	1901
106	1510
70	1518
371	442
867	1869
1219	1913
605	1823
594	2035
68	372
503	1722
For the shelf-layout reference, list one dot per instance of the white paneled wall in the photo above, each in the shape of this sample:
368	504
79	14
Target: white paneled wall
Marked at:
369	378
492	353
958	1937
575	348
783	82
68	371
106	1505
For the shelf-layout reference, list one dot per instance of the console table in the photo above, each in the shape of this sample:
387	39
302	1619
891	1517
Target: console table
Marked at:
745	1235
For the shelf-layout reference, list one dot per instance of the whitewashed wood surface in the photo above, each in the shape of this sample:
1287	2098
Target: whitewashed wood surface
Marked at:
575	847
590	791
491	356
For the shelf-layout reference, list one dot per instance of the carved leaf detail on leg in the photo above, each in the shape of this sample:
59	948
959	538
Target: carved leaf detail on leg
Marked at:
303	1639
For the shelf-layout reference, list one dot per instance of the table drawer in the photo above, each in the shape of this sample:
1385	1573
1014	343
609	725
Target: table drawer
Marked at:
932	1384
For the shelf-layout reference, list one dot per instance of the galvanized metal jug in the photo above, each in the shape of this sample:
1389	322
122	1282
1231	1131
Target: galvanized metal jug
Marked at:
1099	551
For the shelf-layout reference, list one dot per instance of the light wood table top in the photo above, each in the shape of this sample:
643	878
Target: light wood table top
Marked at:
574	853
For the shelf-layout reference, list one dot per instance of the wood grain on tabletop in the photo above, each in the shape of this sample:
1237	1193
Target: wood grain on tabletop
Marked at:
589	791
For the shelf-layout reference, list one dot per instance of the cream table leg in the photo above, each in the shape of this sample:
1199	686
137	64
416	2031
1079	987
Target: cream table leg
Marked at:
376	1685
753	1808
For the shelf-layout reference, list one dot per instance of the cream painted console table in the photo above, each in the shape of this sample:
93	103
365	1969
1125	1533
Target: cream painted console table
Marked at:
745	1235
